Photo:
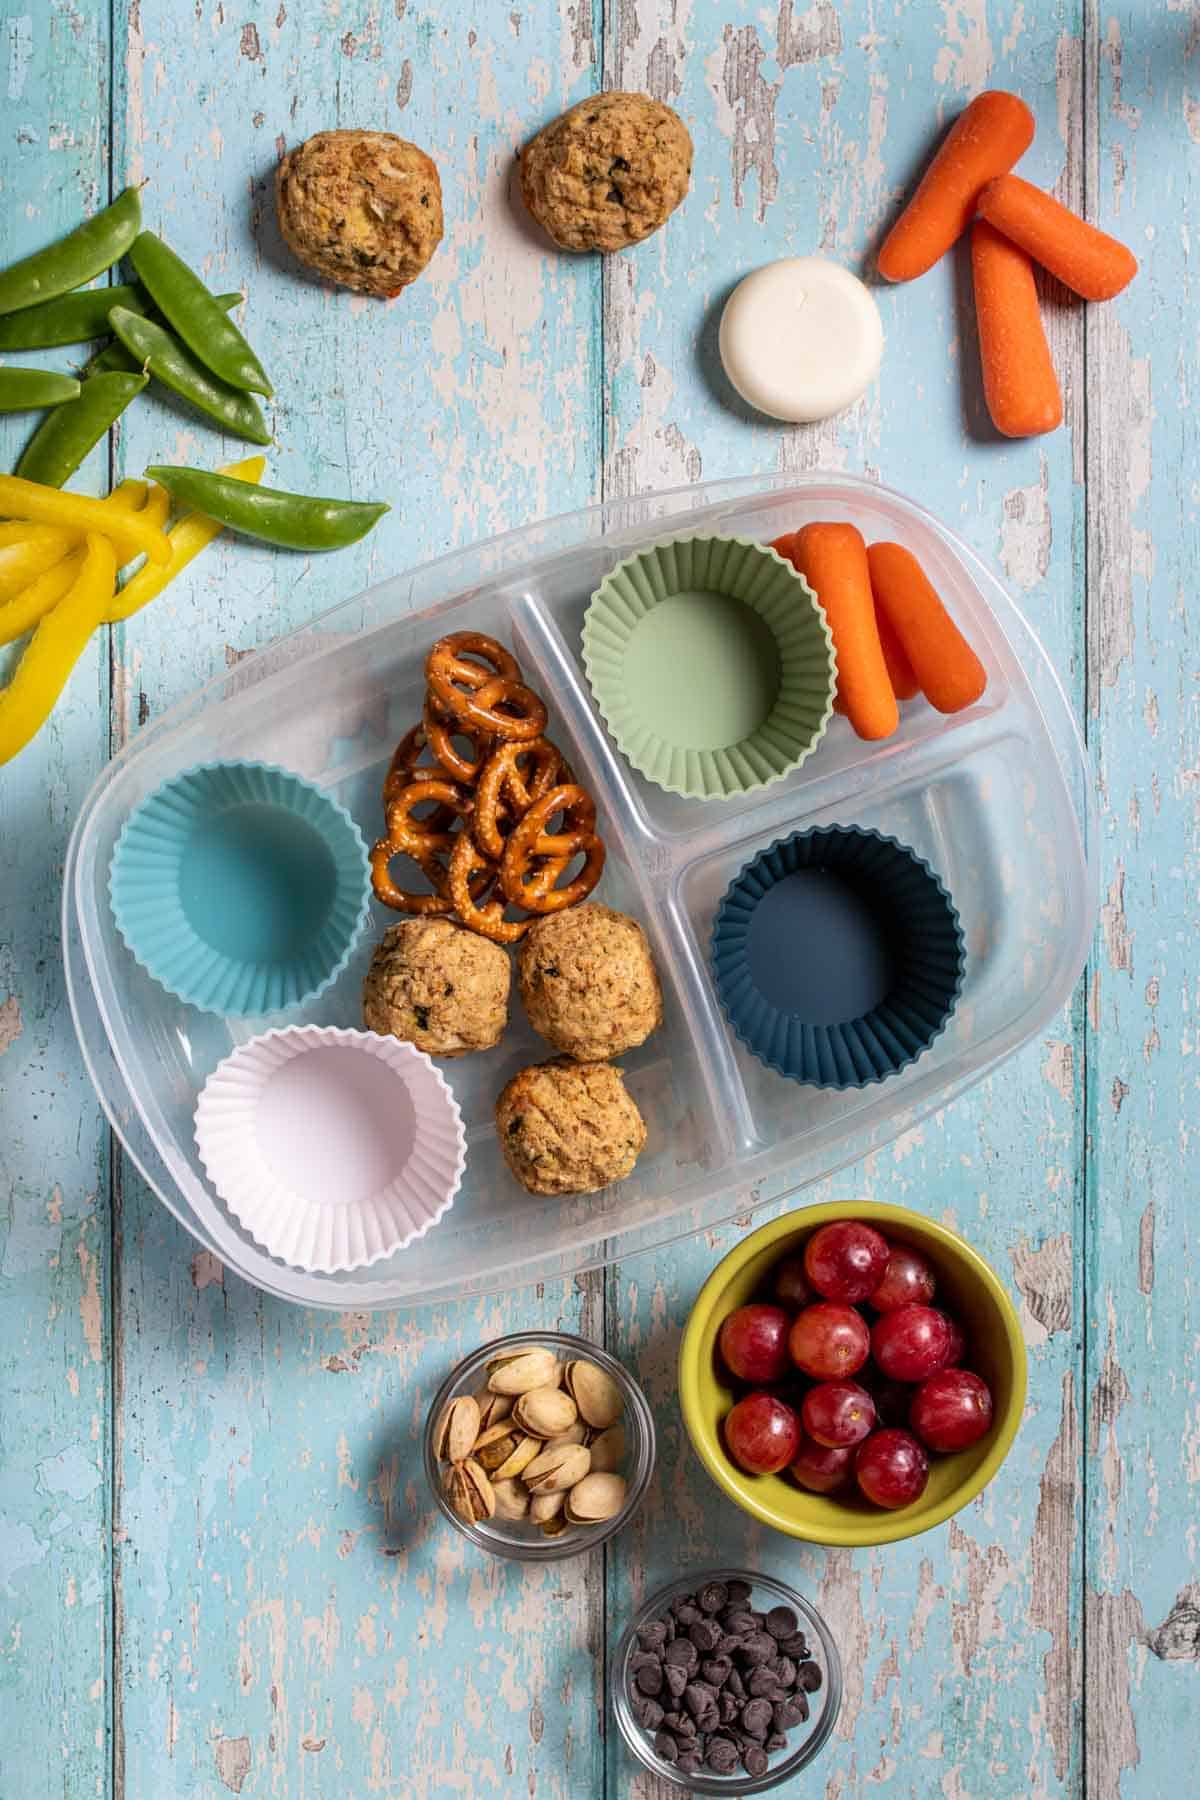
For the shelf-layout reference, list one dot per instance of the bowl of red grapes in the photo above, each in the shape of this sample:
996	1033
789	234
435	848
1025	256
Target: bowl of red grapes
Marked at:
853	1374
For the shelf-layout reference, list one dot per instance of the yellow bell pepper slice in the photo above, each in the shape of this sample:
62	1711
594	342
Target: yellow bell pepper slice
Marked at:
22	612
50	506
187	539
149	500
23	558
55	648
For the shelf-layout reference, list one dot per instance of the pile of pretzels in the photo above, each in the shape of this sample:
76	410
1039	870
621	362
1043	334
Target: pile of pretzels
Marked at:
501	816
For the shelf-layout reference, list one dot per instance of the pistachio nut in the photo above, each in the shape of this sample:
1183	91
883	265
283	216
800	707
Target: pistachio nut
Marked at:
547	1506
519	1372
545	1412
457	1430
492	1407
469	1491
556	1526
608	1450
512	1499
494	1446
594	1499
574	1434
518	1458
555	1469
596	1394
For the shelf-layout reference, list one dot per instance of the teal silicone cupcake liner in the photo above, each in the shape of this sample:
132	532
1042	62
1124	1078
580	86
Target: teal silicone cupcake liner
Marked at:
838	956
711	663
240	888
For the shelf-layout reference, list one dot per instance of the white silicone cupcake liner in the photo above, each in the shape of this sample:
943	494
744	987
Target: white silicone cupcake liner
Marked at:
333	1148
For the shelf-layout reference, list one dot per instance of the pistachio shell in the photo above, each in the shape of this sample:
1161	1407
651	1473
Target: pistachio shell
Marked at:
518	1458
574	1434
556	1526
599	1399
545	1412
457	1430
495	1446
608	1450
595	1498
511	1498
492	1407
555	1469
547	1506
519	1373
469	1491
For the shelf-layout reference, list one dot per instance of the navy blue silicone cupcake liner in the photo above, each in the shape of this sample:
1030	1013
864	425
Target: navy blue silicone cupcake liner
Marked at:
838	956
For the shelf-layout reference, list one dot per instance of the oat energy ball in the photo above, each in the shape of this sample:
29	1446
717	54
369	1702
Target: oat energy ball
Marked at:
438	986
568	1127
363	208
588	982
607	173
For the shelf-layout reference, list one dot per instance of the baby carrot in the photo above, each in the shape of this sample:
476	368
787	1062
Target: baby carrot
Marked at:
1086	260
833	560
1019	382
984	141
904	682
950	673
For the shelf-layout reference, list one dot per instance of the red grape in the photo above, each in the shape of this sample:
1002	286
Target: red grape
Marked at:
820	1468
845	1260
754	1343
838	1414
908	1280
762	1434
957	1347
951	1410
791	1283
910	1343
828	1340
891	1468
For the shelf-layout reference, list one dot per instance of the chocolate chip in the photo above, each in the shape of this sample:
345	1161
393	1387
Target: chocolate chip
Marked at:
698	1697
713	1597
796	1645
682	1654
739	1622
809	1676
736	1685
722	1757
739	1591
649	1714
758	1648
776	1741
680	1724
754	1760
653	1636
649	1679
757	1716
688	1614
666	1746
705	1635
785	1672
643	1659
780	1622
717	1670
689	1762
789	1713
763	1683
676	1679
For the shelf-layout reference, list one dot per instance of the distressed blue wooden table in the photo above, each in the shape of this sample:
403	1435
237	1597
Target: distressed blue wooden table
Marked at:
219	1572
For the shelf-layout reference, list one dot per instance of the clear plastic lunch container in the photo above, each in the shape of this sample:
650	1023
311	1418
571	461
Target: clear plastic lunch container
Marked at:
997	799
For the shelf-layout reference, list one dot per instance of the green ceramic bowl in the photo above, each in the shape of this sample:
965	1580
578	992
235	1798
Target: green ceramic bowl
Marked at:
996	1350
712	664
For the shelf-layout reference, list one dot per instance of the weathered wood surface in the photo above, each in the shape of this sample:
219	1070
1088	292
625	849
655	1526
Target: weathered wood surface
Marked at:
218	1569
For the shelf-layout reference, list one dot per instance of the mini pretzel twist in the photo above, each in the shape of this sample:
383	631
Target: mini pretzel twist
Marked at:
441	730
403	768
517	774
488	920
520	881
466	692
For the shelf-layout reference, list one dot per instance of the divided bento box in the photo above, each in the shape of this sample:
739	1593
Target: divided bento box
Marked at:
995	798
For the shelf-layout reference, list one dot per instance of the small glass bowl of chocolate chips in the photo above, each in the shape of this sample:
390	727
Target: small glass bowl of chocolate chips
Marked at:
726	1683
539	1446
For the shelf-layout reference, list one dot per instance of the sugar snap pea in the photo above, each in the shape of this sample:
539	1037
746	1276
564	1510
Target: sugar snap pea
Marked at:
294	521
115	355
82	254
71	319
196	315
65	436
22	390
162	355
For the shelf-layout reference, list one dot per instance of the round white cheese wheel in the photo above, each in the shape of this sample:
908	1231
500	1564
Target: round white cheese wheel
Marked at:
801	339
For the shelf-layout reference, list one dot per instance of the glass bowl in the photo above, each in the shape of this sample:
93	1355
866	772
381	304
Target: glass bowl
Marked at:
808	1740
518	1539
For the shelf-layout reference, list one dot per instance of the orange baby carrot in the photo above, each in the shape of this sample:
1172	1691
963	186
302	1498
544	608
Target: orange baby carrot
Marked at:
984	141
1019	382
833	560
950	673
904	682
1086	260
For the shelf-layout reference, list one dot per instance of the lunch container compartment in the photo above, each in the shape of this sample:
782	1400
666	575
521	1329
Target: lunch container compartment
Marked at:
996	799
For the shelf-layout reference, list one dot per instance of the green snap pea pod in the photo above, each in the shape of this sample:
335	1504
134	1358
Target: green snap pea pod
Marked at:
295	521
75	259
71	319
196	315
162	355
65	436
22	390
115	355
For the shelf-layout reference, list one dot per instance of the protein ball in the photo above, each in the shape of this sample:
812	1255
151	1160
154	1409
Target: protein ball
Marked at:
588	982
438	986
608	172
569	1128
362	208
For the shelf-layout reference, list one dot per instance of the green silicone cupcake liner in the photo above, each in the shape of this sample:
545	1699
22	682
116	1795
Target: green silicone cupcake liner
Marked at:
711	663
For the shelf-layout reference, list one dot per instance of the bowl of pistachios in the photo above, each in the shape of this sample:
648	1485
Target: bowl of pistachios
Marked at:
539	1446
